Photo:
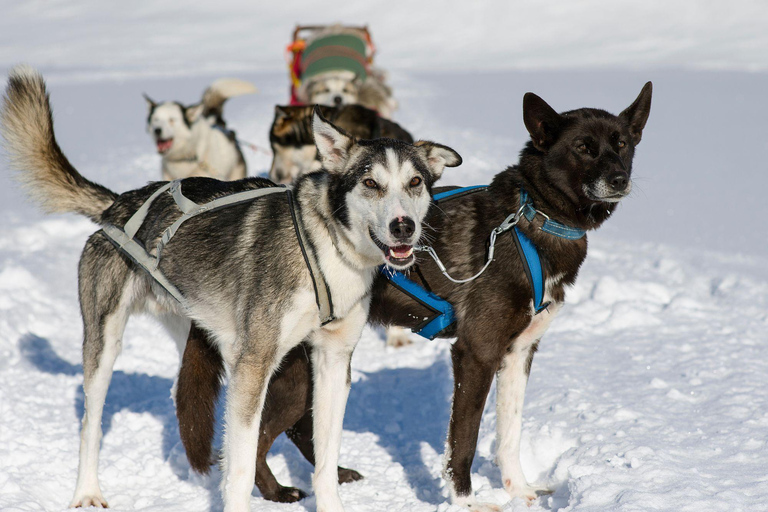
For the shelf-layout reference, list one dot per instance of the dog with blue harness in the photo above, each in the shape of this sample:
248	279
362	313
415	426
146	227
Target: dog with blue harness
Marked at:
494	275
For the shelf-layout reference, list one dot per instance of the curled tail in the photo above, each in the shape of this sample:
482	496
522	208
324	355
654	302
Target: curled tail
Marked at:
26	123
220	91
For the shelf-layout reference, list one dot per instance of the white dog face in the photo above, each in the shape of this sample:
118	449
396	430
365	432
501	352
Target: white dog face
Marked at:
333	88
169	123
380	189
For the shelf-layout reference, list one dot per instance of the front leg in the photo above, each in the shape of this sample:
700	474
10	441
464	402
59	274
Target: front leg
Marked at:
510	395
331	358
473	375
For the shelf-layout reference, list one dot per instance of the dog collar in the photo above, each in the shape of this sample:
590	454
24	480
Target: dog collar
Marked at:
550	226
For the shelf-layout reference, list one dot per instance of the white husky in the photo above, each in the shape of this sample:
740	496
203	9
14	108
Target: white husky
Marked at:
194	140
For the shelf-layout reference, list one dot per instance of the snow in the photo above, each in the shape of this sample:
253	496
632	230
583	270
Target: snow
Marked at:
650	390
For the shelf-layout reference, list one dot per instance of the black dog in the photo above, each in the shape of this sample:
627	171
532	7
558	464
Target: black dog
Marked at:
575	170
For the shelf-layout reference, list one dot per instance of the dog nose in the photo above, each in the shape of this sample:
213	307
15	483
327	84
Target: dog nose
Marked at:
618	180
337	100
402	228
158	132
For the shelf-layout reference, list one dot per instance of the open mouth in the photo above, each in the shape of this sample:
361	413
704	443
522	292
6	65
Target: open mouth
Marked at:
396	255
163	145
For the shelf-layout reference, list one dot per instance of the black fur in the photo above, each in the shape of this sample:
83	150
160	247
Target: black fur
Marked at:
492	311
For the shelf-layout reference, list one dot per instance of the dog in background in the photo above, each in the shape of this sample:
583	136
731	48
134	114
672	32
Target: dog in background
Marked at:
194	140
575	170
348	81
294	147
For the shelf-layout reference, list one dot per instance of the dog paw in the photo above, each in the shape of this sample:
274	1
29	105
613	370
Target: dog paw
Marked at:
469	503
483	507
398	337
92	500
285	495
527	492
349	475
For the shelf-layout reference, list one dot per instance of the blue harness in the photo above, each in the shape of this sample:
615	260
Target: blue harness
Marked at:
443	315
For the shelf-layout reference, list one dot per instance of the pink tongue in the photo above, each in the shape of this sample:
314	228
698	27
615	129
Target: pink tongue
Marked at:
164	145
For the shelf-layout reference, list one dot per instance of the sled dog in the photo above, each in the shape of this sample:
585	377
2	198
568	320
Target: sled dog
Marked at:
294	148
244	277
194	140
575	170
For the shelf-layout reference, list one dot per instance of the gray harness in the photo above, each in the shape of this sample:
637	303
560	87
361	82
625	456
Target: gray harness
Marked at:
124	239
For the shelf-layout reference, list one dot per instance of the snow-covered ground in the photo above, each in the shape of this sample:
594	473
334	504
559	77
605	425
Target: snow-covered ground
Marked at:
650	391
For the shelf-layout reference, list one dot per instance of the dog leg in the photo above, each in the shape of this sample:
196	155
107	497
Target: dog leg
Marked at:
288	400
510	394
331	359
472	381
101	345
178	327
245	401
301	435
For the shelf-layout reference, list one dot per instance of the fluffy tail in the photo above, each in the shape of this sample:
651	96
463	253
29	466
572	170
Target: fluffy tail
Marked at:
220	91
26	123
197	389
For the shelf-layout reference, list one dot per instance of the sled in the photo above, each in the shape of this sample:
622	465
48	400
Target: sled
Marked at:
309	54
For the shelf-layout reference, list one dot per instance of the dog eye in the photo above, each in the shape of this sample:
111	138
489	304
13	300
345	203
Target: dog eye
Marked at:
370	183
415	182
583	148
621	144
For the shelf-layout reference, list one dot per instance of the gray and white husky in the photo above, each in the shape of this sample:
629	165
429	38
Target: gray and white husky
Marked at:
194	140
241	271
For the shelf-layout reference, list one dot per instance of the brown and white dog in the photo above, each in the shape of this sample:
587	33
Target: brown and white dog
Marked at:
576	168
293	145
194	140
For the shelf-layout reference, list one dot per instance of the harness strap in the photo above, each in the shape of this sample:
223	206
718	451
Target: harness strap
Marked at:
124	239
322	293
141	257
532	266
442	310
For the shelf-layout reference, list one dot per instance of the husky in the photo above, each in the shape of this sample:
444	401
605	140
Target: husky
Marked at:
194	140
245	280
337	88
576	169
294	148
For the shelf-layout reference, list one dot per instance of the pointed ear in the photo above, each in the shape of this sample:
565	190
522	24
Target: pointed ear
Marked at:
542	122
193	112
438	157
333	144
280	113
637	113
150	103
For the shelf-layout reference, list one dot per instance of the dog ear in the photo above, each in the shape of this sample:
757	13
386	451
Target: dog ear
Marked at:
150	103
542	122
637	113
333	144
438	157
193	112
280	113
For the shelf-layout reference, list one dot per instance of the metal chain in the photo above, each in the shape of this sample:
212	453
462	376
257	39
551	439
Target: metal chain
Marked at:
510	222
